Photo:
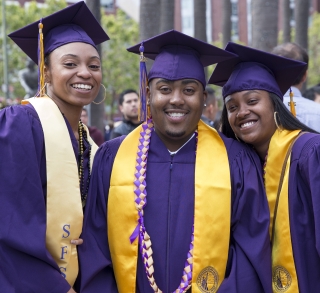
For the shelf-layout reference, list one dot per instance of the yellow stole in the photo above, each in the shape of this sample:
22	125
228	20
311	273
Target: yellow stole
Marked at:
211	229
64	207
284	277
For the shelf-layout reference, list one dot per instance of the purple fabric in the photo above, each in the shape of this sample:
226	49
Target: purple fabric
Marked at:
168	219
179	56
26	265
65	34
251	76
77	14
178	62
258	70
304	211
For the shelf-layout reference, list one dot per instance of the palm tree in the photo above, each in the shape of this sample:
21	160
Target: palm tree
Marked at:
149	21
265	24
301	17
166	15
97	110
149	18
226	22
200	23
286	13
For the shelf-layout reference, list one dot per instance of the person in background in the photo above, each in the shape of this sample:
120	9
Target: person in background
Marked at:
211	108
289	151
313	93
128	104
308	112
174	206
95	133
47	153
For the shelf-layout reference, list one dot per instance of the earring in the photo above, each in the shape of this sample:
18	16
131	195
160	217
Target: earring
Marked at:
236	137
205	105
275	120
105	95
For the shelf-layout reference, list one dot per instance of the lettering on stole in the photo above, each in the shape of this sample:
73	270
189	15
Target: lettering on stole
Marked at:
64	249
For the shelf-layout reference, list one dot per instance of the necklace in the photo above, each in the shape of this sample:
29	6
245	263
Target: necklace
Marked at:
83	190
264	168
141	201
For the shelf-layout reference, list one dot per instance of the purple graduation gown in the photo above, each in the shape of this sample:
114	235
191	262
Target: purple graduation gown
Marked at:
169	217
26	266
304	211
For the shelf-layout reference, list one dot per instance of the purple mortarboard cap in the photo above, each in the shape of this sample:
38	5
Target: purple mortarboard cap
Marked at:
255	69
178	56
75	23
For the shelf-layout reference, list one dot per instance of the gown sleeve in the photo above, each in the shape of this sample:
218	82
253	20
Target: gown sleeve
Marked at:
249	263
94	255
26	265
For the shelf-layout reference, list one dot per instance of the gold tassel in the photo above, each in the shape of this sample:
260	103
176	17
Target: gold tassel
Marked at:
41	89
292	104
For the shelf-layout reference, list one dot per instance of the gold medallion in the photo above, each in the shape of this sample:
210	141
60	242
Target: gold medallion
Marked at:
281	279
207	280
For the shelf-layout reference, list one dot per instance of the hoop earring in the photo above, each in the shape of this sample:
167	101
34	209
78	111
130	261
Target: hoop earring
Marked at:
105	95
37	95
275	120
236	137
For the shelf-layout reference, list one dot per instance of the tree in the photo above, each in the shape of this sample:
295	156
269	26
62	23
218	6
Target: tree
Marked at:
286	12
97	108
16	57
314	50
166	15
226	22
149	18
265	24
120	68
200	19
149	22
301	17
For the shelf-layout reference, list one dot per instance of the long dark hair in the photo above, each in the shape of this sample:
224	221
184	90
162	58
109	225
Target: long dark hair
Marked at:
285	119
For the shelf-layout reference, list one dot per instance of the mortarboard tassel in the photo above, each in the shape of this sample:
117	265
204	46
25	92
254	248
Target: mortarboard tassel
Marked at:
292	104
41	89
143	115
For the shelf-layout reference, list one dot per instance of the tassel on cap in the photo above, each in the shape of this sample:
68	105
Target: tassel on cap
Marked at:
292	104
41	89
143	115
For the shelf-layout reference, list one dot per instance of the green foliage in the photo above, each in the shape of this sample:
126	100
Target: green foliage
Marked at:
314	51
120	68
18	17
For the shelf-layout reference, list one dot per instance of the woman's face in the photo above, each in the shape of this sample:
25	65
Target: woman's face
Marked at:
73	75
251	117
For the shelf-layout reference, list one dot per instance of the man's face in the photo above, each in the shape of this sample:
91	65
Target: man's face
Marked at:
176	108
129	107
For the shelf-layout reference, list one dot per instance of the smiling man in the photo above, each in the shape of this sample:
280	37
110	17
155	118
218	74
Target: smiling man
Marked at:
175	206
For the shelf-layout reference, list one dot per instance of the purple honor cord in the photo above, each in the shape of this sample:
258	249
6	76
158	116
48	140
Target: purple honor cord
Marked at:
141	201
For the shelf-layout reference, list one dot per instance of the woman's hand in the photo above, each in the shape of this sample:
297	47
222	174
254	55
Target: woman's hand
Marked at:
76	241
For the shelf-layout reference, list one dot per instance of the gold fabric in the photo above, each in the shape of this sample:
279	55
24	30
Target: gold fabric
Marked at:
211	224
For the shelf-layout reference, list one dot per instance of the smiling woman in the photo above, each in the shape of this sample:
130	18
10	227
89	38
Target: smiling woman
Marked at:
47	154
253	87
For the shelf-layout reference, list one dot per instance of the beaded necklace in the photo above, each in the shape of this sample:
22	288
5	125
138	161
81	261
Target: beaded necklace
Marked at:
141	201
83	191
264	168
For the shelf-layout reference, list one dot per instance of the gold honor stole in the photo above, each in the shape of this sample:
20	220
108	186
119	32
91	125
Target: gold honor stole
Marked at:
64	207
284	277
211	216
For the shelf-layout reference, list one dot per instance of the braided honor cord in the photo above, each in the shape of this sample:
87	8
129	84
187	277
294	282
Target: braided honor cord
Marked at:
141	201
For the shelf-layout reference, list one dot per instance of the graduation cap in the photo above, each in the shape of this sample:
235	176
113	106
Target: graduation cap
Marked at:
178	56
255	69
75	23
